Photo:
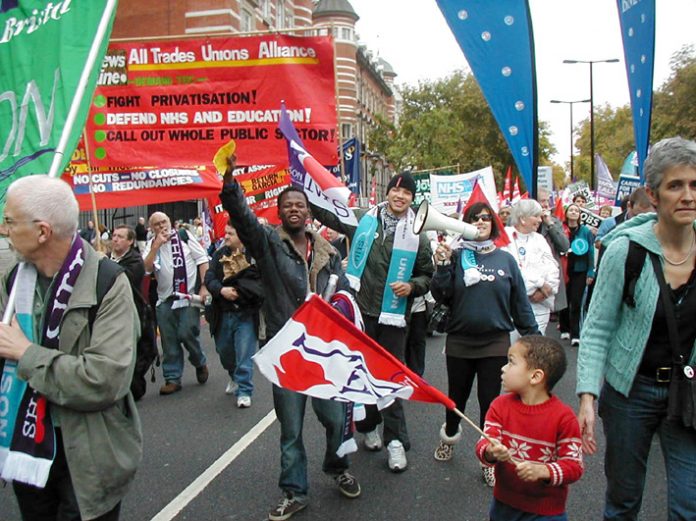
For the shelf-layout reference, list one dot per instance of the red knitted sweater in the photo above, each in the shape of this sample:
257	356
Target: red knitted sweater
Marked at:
546	433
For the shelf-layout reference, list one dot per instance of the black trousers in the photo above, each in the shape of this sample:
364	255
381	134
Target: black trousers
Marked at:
460	379
415	342
56	501
569	318
393	339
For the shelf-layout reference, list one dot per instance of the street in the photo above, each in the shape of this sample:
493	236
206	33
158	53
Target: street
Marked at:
186	433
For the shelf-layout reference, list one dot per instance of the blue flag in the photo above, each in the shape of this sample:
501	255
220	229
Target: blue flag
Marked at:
496	38
638	33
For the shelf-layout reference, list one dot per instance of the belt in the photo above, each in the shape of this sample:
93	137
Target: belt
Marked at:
660	375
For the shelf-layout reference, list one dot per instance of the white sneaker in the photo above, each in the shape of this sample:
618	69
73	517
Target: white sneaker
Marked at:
244	402
231	387
565	336
575	342
397	456
372	441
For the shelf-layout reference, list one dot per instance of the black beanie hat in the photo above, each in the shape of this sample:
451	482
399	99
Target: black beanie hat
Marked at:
403	180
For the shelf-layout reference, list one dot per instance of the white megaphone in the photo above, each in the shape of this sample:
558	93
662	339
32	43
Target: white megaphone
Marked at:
428	218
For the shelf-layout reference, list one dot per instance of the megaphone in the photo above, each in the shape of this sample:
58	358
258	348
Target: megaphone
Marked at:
428	218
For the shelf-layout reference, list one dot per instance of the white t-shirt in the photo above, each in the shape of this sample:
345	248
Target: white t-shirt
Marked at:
194	255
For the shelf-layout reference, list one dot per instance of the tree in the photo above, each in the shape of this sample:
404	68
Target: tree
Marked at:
447	122
674	105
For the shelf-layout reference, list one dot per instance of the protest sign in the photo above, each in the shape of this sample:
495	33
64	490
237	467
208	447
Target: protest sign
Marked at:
627	183
590	219
176	102
580	188
447	191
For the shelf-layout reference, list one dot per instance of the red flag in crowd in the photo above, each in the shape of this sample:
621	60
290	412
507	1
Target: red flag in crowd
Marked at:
507	188
320	353
478	195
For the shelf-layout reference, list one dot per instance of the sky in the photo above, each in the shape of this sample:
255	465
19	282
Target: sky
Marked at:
414	38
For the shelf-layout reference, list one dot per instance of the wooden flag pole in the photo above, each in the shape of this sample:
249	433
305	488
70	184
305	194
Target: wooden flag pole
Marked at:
477	429
95	216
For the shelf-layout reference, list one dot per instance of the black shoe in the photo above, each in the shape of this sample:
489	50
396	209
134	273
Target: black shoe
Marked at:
348	485
202	374
285	509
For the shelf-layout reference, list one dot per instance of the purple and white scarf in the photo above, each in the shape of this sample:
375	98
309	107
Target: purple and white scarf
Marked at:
27	435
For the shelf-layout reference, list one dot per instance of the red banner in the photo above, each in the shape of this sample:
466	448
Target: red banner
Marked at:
175	103
261	186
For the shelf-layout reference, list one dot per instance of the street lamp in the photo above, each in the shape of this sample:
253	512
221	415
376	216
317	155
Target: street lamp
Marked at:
570	104
592	161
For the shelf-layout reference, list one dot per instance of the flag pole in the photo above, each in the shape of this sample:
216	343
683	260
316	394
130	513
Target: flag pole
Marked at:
490	440
338	108
92	196
54	171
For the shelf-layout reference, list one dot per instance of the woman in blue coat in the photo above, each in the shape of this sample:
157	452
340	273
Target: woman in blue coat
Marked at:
579	272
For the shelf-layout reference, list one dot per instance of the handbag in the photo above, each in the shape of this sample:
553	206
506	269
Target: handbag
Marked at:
439	318
681	397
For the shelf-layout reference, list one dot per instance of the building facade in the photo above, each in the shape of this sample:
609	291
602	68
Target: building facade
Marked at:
365	83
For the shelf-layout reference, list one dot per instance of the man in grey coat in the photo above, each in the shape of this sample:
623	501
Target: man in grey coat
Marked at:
82	371
552	230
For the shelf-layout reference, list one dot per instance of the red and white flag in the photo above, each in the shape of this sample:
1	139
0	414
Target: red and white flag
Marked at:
320	353
373	193
516	197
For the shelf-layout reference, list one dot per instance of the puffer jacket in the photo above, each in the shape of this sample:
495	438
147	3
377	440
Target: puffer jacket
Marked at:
374	278
284	273
87	383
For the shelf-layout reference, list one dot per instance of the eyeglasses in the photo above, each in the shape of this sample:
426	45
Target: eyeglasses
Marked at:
485	217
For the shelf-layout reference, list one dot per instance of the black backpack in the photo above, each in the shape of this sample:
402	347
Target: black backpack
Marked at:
635	259
146	348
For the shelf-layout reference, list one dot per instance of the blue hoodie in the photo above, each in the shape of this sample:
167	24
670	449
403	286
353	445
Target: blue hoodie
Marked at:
614	336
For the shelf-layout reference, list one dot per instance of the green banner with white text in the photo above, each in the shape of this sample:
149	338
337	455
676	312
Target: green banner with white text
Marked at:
44	49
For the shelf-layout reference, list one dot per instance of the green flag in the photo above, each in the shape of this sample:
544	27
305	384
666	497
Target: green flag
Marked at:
50	57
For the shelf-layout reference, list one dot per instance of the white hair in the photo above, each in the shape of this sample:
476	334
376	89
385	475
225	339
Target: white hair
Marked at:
522	209
48	199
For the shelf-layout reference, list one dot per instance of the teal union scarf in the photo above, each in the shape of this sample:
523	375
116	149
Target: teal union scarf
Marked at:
403	259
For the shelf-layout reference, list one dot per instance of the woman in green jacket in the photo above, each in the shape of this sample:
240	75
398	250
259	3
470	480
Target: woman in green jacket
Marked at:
626	343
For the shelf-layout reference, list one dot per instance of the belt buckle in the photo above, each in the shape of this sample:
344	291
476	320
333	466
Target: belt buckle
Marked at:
663	374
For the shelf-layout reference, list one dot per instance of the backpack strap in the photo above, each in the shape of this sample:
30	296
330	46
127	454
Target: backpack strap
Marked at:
107	272
635	259
183	235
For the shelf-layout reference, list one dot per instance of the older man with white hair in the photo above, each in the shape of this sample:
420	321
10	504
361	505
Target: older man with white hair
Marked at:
68	362
175	257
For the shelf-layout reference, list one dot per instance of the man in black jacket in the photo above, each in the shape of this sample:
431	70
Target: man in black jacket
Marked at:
293	263
235	285
123	252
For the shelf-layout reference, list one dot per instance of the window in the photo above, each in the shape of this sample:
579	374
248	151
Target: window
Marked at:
266	9
347	34
346	130
247	20
280	15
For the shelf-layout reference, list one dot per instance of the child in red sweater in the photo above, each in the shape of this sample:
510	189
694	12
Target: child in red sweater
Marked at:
536	448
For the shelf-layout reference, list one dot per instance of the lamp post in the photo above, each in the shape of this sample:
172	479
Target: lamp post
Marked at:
570	104
592	144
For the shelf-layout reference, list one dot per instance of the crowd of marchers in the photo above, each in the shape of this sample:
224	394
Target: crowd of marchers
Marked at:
621	294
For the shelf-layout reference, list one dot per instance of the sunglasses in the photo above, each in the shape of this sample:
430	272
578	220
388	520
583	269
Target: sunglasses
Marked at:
485	217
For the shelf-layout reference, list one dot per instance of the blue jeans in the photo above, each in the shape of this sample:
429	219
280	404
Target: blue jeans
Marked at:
179	327
290	410
235	342
629	426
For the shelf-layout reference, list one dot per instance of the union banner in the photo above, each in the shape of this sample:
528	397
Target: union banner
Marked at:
175	103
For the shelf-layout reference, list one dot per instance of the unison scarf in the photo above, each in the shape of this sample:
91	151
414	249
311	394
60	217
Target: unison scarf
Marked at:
27	436
180	282
472	275
403	259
